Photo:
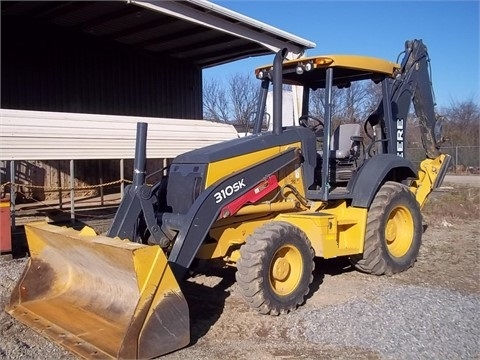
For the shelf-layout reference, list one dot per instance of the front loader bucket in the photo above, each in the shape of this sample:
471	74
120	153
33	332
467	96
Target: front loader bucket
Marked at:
100	297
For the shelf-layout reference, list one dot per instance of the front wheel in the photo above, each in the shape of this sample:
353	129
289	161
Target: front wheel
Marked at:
394	232
275	268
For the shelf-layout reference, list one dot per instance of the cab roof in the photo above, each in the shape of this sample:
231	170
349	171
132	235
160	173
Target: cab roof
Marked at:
347	68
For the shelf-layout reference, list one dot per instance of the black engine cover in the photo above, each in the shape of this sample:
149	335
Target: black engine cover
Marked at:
185	183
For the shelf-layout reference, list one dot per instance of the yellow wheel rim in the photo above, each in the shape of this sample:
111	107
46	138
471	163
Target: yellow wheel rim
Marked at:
286	270
399	231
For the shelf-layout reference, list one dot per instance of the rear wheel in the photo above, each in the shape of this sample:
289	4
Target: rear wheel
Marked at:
275	268
394	232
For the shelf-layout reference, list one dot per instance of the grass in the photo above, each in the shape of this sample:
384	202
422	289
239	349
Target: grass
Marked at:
458	202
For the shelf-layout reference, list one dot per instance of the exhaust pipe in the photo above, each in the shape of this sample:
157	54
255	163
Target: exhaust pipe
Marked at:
139	165
277	90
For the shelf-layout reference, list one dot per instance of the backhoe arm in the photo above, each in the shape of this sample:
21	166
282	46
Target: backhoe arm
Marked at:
413	84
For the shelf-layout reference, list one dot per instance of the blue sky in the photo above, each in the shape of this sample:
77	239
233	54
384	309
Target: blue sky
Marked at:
450	29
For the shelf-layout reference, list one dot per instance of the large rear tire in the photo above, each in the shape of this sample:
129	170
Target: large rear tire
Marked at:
275	268
394	232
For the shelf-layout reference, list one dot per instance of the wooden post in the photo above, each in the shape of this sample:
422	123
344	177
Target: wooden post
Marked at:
12	193
72	191
100	171
59	184
122	173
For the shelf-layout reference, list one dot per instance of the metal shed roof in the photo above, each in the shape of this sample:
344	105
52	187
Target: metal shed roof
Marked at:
195	30
39	135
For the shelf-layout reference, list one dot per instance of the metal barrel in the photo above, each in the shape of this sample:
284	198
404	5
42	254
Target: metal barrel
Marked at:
100	297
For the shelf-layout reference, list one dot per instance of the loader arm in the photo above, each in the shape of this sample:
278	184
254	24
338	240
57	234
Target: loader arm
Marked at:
194	226
138	200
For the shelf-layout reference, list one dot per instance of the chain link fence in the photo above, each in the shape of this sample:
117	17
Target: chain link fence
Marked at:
465	159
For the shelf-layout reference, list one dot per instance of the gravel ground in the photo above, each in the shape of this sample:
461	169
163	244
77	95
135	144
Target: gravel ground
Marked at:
431	311
403	322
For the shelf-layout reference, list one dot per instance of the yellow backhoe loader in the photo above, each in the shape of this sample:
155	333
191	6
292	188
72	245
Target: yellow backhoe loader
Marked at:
267	203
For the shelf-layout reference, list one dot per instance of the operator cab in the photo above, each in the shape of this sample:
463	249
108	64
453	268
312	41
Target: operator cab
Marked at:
323	79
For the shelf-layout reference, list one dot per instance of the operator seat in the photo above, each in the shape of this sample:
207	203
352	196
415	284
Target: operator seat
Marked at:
345	141
345	145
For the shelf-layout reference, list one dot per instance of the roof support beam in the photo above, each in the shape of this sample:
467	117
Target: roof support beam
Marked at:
166	40
214	59
153	24
261	36
61	8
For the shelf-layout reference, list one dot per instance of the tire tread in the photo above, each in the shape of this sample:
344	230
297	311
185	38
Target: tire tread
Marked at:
249	273
375	258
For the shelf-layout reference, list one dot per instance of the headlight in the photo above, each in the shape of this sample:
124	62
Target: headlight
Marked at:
261	74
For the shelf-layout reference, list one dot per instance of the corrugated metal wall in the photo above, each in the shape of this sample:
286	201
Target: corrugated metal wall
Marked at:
41	135
55	69
93	141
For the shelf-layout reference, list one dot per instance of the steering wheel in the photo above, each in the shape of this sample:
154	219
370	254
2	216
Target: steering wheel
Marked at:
310	122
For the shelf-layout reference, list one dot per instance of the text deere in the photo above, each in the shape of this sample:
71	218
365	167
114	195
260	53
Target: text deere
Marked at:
400	139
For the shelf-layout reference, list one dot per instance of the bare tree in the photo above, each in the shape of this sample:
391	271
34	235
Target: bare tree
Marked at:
463	123
351	104
215	101
243	92
355	100
236	103
317	103
373	98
